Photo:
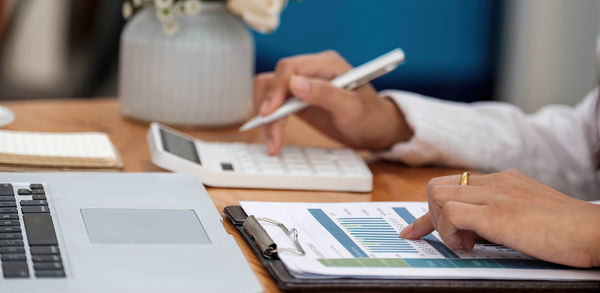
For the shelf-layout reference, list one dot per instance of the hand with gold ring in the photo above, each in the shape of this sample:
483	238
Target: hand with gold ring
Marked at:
511	209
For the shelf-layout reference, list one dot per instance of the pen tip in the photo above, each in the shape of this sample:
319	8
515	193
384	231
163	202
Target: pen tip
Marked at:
245	127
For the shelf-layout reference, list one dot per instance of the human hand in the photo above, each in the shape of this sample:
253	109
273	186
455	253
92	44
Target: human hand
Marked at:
358	118
513	210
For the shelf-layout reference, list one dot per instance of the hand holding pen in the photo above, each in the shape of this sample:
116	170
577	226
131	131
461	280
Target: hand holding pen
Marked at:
358	118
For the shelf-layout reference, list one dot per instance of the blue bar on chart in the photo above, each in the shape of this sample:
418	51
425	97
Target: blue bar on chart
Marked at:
432	240
337	232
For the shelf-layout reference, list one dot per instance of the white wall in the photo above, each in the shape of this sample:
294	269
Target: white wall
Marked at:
549	53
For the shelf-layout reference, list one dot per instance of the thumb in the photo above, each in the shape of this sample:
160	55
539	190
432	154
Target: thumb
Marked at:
321	93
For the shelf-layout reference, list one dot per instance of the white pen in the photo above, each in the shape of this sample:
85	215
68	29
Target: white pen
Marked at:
349	81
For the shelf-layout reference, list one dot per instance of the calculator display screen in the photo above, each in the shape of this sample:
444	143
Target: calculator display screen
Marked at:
179	146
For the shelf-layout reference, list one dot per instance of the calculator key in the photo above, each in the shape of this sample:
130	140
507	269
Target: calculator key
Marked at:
226	166
47	250
269	160
6	190
13	257
36	186
40	230
34	203
35	209
4	236
38	197
50	274
45	258
7	204
24	191
12	250
48	266
10	229
295	161
15	269
11	243
7	198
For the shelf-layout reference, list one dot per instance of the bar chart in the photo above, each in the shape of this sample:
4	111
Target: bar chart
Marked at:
375	234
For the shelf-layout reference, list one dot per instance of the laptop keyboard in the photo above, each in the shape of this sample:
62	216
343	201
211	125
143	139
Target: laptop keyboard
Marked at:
29	210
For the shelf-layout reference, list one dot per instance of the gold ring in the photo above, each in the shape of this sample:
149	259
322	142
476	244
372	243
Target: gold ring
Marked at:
464	179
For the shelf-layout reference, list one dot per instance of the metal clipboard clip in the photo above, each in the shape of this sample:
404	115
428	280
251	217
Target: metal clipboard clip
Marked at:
264	242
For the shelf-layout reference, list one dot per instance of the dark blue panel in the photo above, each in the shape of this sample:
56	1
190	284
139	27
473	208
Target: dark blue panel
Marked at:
449	44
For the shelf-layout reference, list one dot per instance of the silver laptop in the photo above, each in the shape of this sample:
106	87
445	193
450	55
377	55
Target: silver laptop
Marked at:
115	232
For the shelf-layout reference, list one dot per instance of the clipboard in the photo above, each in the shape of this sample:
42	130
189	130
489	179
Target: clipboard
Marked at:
266	252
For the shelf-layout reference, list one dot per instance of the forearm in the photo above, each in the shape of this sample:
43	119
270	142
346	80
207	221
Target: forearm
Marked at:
553	145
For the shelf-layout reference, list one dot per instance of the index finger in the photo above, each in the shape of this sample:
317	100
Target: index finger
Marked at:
419	228
324	65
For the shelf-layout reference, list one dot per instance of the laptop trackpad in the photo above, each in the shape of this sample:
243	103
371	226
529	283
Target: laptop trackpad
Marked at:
143	226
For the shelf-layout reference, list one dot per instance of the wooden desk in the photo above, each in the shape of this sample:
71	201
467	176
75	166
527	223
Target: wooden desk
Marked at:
392	181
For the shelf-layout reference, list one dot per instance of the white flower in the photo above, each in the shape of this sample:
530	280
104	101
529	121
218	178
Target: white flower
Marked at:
192	7
138	3
179	8
165	14
262	15
127	10
170	27
161	4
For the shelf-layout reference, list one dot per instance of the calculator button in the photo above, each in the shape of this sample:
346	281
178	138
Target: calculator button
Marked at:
226	166
268	160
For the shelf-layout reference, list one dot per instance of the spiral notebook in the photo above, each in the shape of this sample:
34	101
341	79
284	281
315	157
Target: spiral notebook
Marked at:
52	151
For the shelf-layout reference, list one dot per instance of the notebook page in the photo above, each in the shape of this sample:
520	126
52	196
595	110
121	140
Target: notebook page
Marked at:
68	145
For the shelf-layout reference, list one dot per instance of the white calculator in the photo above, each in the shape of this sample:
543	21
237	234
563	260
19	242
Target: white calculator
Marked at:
249	166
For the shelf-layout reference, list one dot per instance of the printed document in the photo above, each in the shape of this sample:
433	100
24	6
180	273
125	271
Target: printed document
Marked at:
360	240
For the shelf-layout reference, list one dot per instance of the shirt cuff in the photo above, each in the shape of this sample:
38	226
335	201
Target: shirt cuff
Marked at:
436	138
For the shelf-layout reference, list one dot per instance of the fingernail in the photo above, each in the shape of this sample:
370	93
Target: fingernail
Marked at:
300	84
264	107
406	231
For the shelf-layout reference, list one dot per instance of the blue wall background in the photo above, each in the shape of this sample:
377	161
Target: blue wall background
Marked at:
449	44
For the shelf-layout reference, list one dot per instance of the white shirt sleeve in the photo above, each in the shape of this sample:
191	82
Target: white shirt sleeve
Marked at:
558	145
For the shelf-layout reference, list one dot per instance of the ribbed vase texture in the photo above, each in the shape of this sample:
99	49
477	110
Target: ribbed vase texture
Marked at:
199	76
